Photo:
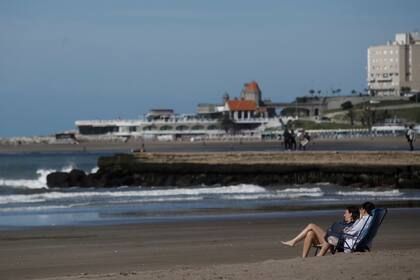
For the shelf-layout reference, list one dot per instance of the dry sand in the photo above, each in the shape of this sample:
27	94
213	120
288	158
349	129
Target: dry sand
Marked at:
391	264
231	249
309	157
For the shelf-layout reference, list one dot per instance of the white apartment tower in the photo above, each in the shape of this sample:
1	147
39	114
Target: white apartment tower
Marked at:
394	68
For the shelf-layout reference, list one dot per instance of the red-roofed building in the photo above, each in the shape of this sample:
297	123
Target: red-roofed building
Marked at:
241	105
251	91
243	109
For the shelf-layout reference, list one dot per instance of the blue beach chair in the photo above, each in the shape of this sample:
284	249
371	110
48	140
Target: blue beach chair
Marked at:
363	240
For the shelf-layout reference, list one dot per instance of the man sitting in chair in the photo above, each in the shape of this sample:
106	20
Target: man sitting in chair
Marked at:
356	232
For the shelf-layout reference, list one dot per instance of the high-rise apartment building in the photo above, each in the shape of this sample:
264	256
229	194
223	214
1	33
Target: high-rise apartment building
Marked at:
394	68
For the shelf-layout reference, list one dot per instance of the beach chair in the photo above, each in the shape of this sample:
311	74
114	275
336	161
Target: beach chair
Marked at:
363	240
365	237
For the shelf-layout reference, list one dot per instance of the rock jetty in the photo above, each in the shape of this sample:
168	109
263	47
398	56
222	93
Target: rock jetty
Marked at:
360	169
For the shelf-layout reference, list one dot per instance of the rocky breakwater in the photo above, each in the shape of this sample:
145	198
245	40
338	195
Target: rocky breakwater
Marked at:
361	169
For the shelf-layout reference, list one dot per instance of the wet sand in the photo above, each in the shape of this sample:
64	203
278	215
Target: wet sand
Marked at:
228	249
344	144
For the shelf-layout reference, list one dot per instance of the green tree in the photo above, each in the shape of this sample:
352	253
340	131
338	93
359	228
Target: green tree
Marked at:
351	115
347	105
227	124
312	92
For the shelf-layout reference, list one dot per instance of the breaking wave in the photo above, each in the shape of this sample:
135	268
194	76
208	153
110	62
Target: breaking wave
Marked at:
288	193
39	183
156	194
390	193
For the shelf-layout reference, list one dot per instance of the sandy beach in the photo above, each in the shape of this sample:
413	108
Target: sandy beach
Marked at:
247	248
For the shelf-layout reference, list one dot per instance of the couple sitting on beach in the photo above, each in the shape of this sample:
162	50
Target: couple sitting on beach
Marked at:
356	221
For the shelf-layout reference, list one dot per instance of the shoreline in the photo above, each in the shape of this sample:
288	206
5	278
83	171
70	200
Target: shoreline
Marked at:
136	217
157	250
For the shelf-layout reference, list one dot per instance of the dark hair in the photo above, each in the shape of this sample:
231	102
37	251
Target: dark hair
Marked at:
354	212
368	206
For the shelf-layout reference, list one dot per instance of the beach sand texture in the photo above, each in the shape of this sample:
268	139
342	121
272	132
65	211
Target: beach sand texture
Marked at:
231	249
306	158
395	264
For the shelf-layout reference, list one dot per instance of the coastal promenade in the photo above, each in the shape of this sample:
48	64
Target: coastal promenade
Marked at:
385	143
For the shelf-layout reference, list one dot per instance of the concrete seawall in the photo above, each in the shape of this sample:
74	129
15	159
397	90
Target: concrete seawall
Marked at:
361	169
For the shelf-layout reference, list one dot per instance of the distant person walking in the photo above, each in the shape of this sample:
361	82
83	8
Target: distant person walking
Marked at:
286	138
292	140
303	139
411	137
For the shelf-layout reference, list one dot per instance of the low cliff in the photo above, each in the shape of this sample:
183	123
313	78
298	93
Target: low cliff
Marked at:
363	169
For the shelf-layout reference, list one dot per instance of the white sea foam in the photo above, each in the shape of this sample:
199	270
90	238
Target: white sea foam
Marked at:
41	208
94	170
161	199
372	193
39	183
301	190
142	193
280	194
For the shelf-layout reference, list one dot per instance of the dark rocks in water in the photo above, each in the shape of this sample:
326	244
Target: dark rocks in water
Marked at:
127	170
58	179
76	177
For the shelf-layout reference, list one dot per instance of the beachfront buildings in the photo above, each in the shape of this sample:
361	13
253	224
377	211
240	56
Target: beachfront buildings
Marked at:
394	69
248	114
249	105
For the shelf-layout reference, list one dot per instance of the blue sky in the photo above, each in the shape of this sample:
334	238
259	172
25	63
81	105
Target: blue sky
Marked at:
61	61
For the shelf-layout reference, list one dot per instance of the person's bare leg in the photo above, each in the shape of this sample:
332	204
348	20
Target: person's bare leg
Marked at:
319	233
307	243
324	249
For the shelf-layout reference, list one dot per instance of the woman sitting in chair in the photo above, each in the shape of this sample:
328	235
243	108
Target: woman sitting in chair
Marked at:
315	235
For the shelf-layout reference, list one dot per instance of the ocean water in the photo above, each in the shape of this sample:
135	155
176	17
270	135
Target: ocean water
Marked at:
26	201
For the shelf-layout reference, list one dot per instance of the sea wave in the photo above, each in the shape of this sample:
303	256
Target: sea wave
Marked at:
288	193
41	207
141	192
94	170
376	193
39	183
301	190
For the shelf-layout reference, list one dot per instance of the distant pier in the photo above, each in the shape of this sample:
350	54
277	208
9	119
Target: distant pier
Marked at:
357	169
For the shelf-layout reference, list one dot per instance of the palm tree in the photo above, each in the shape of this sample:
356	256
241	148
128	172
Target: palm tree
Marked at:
311	92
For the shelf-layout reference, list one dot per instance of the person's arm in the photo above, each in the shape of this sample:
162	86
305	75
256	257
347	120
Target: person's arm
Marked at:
356	228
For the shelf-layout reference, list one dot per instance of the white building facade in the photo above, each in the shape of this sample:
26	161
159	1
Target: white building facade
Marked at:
394	69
